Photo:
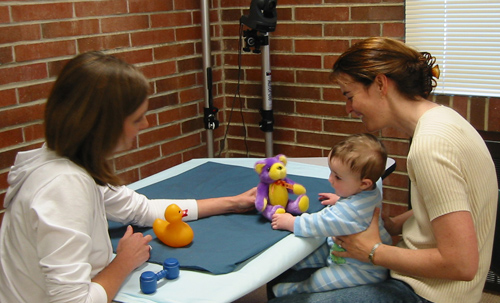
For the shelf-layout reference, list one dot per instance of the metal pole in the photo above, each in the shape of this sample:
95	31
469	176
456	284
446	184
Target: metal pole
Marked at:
207	69
267	97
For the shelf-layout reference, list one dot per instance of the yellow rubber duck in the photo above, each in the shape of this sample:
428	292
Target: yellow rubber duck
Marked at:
173	232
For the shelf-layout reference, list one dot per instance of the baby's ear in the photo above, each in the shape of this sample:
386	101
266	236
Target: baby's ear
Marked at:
366	184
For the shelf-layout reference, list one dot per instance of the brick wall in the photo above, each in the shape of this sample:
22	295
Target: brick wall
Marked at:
163	38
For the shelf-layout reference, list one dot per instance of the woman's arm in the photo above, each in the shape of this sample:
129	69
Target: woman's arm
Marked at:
234	204
456	256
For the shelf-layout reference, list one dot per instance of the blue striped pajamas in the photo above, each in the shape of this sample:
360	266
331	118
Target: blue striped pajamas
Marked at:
348	216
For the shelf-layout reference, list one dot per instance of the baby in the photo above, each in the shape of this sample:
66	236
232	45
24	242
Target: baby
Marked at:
357	164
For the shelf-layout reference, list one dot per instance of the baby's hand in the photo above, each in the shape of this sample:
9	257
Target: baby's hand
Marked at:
283	221
328	198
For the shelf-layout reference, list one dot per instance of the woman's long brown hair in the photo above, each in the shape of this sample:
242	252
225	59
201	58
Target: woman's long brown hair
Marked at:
87	107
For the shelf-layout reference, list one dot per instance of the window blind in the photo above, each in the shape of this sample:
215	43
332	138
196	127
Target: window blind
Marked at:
464	36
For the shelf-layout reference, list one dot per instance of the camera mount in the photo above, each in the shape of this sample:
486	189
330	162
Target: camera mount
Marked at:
261	20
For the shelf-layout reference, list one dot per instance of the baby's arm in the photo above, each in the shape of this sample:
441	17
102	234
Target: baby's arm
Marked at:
283	221
328	198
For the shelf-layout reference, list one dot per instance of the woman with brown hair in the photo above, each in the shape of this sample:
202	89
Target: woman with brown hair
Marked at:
54	242
447	239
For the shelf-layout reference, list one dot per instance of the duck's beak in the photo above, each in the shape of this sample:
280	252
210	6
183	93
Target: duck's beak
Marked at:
184	213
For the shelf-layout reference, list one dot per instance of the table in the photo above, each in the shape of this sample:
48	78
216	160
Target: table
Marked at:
195	286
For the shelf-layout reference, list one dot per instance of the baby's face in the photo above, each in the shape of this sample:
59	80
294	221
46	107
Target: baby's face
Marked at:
345	182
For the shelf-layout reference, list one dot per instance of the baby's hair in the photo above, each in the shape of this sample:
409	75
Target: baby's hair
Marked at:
363	154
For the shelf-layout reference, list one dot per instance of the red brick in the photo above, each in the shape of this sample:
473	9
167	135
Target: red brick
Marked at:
20	115
322	140
136	56
4	14
124	23
100	8
379	13
34	92
460	105
41	11
344	127
352	1
186	4
191	64
313	77
193	94
141	6
27	32
396	195
230	15
56	66
297	61
103	42
187	33
23	73
160	101
3	184
70	28
136	157
391	132
397	148
182	143
174	51
235	3
303	123
349	30
329	109
34	132
477	112
323	14
7	157
394	30
298	30
158	135
299	2
176	82
129	176
171	19
494	115
11	137
160	165
6	55
7	97
152	37
44	50
192	125
279	44
156	70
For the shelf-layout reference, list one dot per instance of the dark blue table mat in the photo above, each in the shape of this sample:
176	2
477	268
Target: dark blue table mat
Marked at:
224	241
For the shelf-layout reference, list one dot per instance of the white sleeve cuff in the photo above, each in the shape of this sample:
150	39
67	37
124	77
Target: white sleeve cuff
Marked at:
97	294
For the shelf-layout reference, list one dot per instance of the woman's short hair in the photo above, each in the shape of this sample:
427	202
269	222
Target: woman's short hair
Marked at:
86	110
363	154
414	72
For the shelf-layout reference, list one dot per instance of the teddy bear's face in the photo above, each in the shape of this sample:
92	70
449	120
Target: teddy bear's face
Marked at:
271	169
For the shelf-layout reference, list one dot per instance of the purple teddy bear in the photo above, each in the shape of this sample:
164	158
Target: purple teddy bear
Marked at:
274	187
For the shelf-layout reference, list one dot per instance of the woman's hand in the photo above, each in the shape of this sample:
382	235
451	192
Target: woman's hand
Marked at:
328	198
133	249
359	246
245	201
